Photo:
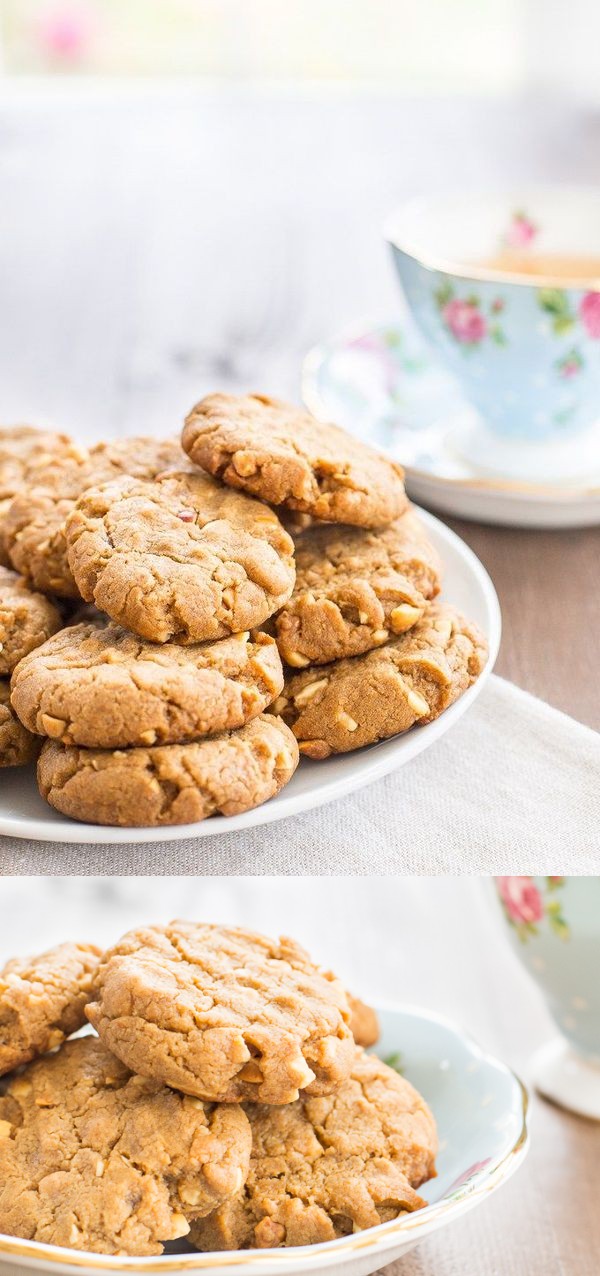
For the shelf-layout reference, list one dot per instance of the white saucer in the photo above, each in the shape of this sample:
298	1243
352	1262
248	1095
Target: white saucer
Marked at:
378	381
567	1078
23	813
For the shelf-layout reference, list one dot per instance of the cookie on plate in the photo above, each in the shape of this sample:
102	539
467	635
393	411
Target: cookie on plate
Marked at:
355	589
25	450
363	1023
286	457
223	1013
182	558
42	1001
172	783
27	619
34	521
93	1158
325	1167
17	745
412	679
101	687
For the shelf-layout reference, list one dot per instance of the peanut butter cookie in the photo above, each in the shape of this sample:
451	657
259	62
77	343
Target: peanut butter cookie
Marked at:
325	1167
172	783
27	619
181	558
94	1159
412	679
364	1022
355	589
23	451
287	457
42	1001
17	745
34	522
223	1013
101	687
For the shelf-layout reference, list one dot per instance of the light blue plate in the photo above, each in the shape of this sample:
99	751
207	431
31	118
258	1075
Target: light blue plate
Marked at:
481	1111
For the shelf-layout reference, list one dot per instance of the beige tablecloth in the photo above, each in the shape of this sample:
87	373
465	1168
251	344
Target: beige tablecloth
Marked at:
514	787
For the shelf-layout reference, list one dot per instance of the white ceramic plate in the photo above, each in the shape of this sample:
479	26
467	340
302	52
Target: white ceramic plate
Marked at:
23	813
481	1113
379	381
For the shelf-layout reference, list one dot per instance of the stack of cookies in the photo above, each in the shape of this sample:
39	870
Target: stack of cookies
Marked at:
225	1099
376	654
169	702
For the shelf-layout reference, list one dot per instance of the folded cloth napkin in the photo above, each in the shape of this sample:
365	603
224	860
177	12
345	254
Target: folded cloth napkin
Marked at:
512	788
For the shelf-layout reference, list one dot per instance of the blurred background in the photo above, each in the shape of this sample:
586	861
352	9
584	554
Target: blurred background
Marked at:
463	46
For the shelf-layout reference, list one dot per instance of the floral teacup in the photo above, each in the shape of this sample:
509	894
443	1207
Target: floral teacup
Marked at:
525	347
554	925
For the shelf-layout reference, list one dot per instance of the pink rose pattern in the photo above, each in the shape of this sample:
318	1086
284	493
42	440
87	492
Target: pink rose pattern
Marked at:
589	313
521	232
464	317
526	905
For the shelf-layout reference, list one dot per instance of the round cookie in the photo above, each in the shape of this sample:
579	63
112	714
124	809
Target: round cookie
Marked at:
412	679
287	457
24	450
42	1001
364	1023
181	558
325	1167
27	619
223	1013
355	589
17	745
34	522
172	783
101	687
94	1159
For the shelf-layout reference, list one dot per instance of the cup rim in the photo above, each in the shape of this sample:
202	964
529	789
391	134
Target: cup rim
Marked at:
484	274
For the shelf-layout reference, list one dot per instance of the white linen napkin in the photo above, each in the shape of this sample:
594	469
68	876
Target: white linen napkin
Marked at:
514	787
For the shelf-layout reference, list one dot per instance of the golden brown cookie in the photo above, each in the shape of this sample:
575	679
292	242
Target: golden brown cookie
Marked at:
223	1013
23	451
355	589
42	1001
101	687
412	679
172	783
286	457
34	522
181	558
27	619
364	1022
325	1167
17	745
94	1159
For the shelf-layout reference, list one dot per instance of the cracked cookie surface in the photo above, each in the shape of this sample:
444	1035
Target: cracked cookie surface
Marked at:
285	456
93	1158
27	619
23	451
182	558
223	1013
355	589
226	774
34	525
325	1167
42	1001
412	679
101	687
17	745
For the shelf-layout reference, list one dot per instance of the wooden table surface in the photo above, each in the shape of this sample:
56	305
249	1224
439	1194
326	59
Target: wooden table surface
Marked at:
434	942
156	244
